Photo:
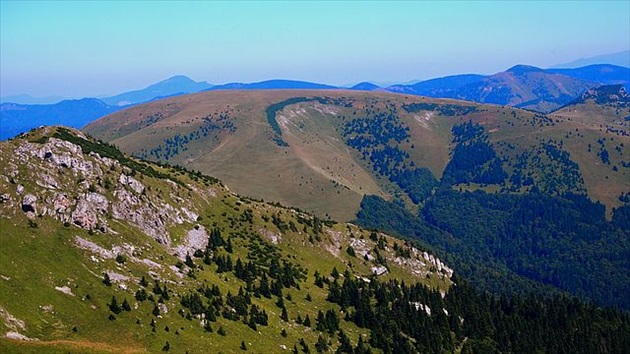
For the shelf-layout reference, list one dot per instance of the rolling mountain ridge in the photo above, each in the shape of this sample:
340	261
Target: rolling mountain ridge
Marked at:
201	132
272	85
544	91
464	178
532	88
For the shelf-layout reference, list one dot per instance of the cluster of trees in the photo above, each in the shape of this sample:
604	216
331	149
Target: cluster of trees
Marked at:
548	168
208	303
509	243
449	110
378	139
413	318
474	159
178	143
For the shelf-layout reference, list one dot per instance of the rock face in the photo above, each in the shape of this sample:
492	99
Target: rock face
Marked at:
87	190
28	205
136	186
88	209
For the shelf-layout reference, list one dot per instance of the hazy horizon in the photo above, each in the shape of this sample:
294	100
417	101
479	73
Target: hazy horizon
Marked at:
83	49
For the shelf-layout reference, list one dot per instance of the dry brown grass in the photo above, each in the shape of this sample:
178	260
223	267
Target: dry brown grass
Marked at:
317	171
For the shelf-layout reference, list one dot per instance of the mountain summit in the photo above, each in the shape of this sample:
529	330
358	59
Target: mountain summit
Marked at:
178	84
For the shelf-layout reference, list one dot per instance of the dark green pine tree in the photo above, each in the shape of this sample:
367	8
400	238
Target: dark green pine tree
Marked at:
208	327
307	321
320	324
264	287
345	346
206	258
305	348
114	307
284	315
252	322
221	331
126	306
361	347
321	345
156	310
189	261
106	280
335	273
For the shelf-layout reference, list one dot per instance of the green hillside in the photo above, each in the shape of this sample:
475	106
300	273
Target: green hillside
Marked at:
74	210
104	253
465	174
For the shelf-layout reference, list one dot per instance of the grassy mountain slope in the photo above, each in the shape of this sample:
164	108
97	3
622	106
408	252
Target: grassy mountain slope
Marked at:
322	151
102	253
599	120
88	231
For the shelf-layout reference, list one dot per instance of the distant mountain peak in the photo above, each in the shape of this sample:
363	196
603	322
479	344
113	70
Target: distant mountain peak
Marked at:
178	78
365	86
178	84
522	69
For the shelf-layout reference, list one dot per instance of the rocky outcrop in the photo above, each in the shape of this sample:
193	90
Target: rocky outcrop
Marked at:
197	239
87	190
28	205
136	186
89	211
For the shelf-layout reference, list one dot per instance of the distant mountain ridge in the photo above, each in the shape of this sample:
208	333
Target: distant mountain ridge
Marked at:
439	87
272	85
174	85
601	73
525	87
619	58
17	118
28	99
521	86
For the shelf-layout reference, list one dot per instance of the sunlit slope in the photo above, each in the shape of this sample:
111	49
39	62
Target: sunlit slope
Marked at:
320	150
73	210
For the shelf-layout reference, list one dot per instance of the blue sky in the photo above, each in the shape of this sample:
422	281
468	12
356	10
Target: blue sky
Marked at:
97	48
